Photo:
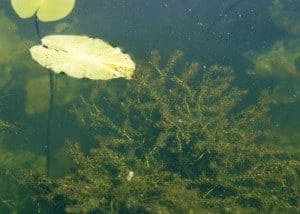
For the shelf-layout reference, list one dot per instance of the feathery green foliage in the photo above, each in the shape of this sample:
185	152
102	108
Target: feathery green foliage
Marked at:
175	141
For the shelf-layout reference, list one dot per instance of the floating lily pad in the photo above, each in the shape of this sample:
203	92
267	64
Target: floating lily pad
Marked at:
46	10
83	57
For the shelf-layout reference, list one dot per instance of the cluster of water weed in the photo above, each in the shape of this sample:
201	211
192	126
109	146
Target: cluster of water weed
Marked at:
173	139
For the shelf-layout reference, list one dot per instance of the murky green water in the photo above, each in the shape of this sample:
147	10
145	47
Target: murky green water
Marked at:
208	124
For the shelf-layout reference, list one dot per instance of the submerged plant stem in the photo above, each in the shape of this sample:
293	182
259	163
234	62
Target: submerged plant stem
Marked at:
49	121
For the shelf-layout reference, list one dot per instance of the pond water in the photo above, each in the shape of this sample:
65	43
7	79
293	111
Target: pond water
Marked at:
209	122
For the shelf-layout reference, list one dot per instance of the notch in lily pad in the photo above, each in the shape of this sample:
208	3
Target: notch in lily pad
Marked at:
45	10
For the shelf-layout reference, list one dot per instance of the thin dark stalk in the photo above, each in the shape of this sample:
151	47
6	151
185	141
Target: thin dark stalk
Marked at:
49	121
224	13
37	27
51	101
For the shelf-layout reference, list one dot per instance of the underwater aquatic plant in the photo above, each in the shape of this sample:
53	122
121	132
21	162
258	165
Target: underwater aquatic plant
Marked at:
5	125
13	48
165	109
285	15
180	136
279	63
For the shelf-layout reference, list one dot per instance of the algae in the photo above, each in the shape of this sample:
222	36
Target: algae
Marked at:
38	92
280	64
13	48
285	14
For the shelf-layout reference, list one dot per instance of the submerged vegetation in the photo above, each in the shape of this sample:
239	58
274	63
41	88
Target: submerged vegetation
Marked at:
177	138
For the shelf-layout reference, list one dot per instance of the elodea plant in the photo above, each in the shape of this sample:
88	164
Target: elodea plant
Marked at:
175	139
